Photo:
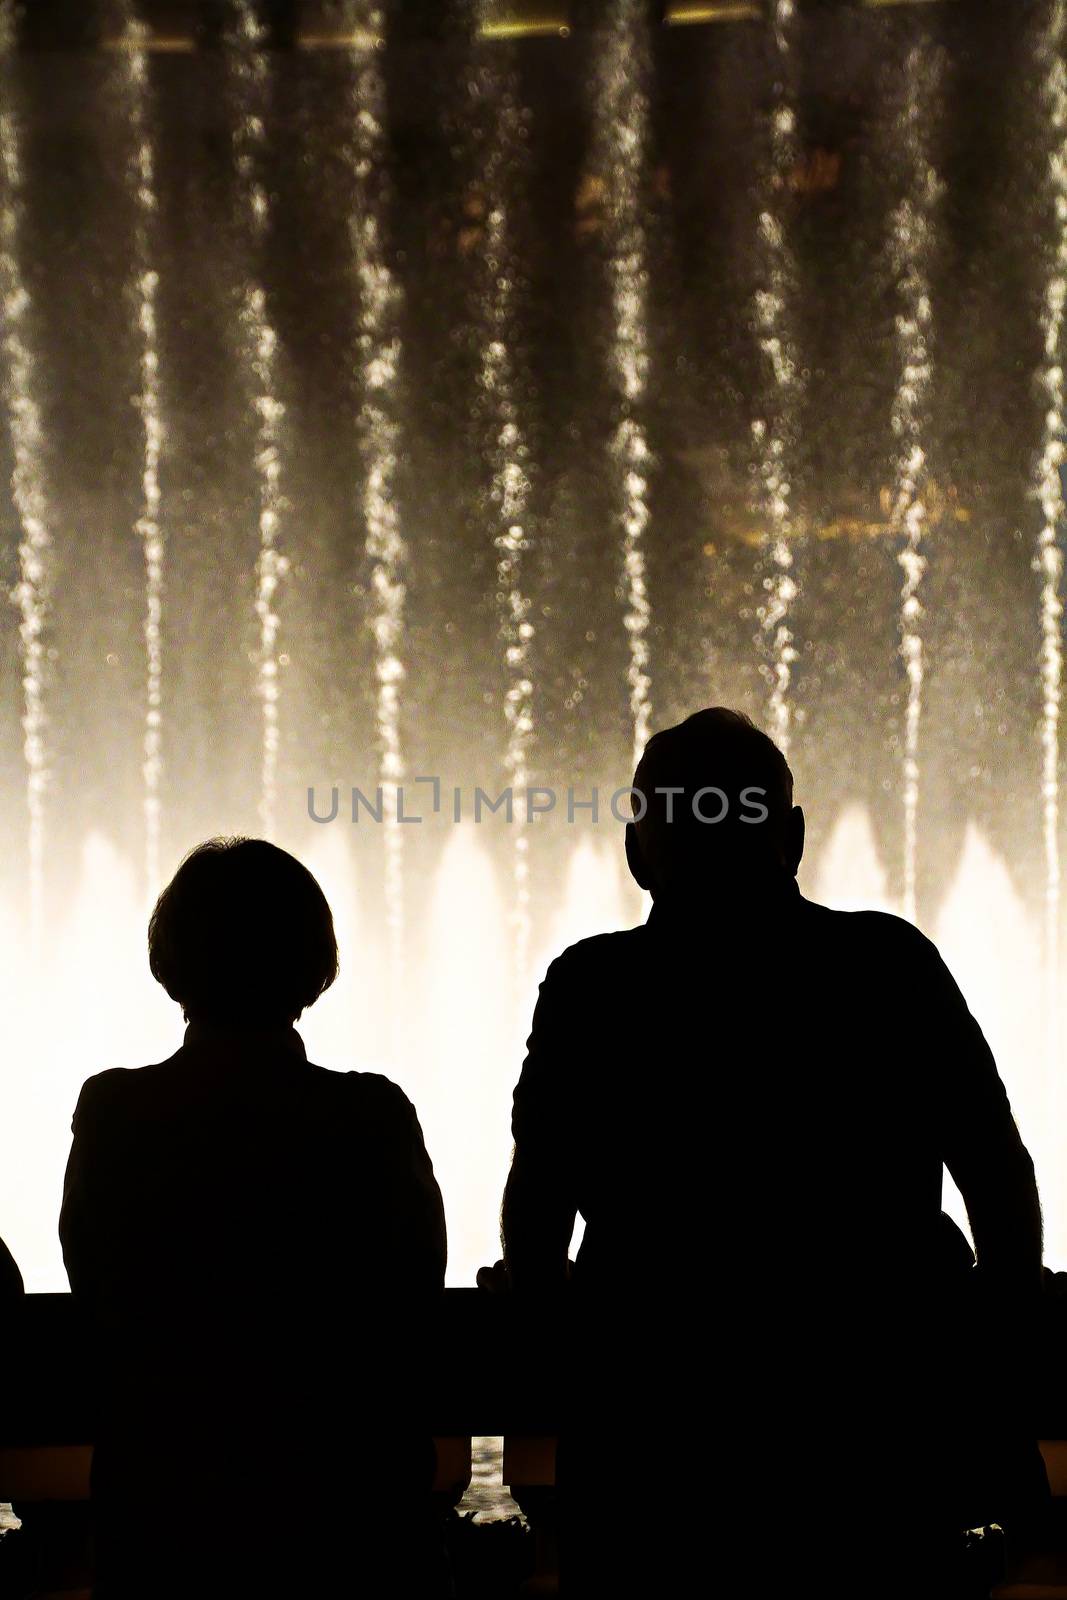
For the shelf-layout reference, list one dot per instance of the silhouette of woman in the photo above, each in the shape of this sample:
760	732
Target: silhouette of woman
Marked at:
257	1240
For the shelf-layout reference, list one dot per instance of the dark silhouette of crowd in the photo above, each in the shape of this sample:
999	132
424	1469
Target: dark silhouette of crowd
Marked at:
732	1099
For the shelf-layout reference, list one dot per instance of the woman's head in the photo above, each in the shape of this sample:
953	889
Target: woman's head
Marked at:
242	935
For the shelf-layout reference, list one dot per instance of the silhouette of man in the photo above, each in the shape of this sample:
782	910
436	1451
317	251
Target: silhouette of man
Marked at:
258	1240
750	1100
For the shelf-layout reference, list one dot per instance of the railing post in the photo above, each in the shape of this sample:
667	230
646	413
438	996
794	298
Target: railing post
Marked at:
530	1476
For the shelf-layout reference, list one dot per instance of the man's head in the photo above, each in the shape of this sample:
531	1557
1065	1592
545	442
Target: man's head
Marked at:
242	936
713	810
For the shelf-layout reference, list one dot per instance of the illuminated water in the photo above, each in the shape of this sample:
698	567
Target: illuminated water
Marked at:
772	433
379	434
27	490
621	121
508	452
252	91
912	229
134	64
1049	492
484	423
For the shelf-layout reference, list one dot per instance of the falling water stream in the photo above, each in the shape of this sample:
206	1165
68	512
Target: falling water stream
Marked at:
1048	489
251	75
771	433
510	484
27	481
379	370
141	170
911	242
621	137
440	935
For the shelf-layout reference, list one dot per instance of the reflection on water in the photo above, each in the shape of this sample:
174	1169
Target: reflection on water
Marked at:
486	1497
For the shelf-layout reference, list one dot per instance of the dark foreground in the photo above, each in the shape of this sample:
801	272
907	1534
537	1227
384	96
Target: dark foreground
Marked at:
46	1434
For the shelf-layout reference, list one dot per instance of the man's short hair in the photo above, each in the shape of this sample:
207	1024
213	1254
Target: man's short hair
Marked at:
242	935
713	749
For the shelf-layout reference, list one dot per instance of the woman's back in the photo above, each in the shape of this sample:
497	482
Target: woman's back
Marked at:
258	1241
238	1169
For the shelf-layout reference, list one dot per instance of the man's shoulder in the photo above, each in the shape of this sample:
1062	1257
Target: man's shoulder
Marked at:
599	950
866	933
864	928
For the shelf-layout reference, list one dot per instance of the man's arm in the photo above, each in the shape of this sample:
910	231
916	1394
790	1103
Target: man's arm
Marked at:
983	1151
11	1284
540	1199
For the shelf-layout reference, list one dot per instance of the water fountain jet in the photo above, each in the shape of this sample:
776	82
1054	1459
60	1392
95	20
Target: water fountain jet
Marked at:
379	429
772	433
621	116
1048	490
251	75
912	227
145	286
508	460
26	430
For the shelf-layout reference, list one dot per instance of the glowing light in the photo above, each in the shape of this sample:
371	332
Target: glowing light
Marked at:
510	487
1048	490
153	43
148	526
771	435
354	39
27	481
726	11
251	71
379	346
912	227
521	30
593	899
465	1028
850	873
348	1012
622	114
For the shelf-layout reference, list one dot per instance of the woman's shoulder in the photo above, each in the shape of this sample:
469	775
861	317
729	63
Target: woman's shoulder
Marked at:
112	1084
117	1086
367	1089
367	1106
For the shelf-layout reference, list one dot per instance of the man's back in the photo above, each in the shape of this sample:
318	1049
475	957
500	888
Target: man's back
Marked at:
783	1089
752	1115
750	1101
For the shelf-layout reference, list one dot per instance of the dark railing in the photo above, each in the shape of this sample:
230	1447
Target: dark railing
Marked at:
488	1370
491	1367
474	1352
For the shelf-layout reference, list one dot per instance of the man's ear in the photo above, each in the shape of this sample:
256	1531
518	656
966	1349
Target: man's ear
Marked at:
794	841
635	860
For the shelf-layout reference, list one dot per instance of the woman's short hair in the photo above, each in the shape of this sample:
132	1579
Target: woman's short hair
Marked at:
242	935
